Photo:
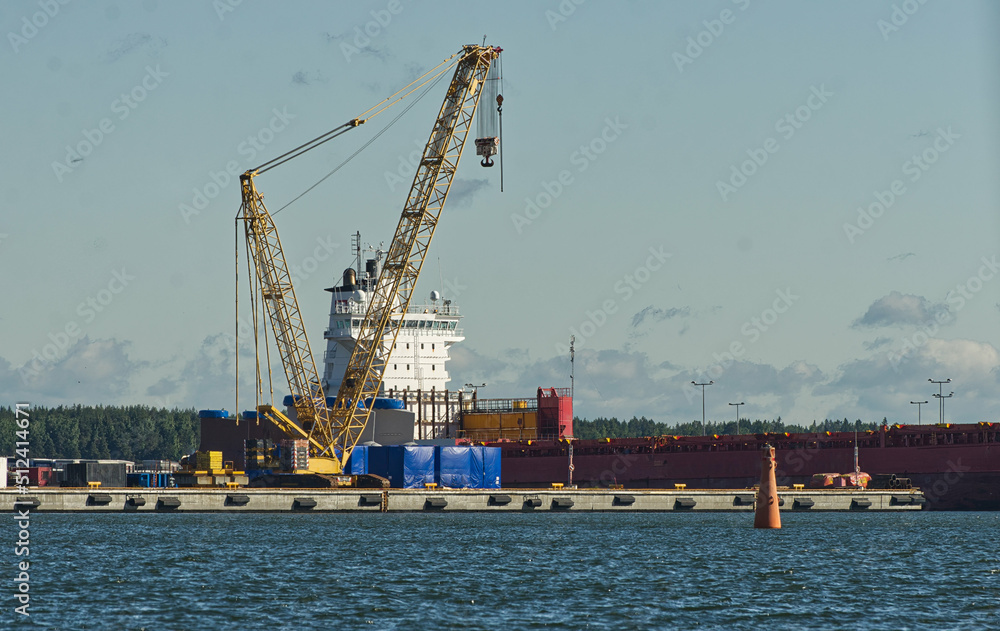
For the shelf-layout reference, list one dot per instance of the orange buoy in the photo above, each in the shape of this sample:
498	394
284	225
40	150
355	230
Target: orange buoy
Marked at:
767	515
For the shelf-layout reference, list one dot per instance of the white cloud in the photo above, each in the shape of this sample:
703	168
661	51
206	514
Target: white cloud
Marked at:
900	309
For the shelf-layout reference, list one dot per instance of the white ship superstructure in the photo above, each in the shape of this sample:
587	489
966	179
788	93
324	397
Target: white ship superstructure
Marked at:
417	370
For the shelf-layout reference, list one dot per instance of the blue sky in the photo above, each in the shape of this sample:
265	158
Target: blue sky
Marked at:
795	200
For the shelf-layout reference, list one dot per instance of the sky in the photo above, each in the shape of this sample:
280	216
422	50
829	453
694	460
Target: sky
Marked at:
796	201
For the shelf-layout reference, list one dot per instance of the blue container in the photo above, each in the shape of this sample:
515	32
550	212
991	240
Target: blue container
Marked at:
289	402
419	465
388	463
372	460
385	403
357	464
486	467
213	414
455	468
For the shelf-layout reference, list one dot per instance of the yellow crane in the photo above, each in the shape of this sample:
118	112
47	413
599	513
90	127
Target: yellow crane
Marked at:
333	432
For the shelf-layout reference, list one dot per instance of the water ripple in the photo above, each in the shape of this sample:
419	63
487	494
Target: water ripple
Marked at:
520	571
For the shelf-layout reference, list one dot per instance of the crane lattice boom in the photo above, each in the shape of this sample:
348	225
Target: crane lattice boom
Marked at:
391	297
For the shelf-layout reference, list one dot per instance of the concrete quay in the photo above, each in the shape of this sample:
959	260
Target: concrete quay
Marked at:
182	500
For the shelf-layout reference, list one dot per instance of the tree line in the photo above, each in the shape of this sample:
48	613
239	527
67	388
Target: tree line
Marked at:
134	432
638	427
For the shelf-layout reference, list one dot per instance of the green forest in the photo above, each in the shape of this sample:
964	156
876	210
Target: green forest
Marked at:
134	432
139	432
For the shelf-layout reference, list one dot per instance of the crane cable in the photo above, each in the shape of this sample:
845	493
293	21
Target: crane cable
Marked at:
500	115
360	149
434	74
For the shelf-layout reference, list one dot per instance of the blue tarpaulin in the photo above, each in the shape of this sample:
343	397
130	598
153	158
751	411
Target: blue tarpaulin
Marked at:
410	467
419	464
489	457
375	460
456	468
357	464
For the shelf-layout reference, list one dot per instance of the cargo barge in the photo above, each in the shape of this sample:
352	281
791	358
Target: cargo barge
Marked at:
956	465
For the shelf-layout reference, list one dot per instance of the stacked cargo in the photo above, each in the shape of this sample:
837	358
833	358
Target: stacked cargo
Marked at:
259	454
415	466
294	455
148	479
854	480
208	460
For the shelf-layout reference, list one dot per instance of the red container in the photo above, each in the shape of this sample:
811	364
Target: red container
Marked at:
39	476
555	413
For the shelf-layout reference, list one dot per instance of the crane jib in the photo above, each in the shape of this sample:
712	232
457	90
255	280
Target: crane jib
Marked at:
334	431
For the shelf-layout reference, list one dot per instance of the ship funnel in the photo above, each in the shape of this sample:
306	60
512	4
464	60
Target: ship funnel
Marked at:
350	278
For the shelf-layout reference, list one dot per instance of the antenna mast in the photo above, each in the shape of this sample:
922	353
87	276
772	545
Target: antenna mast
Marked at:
572	354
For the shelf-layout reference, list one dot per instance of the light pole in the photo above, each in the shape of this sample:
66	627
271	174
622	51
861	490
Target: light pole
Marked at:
738	415
918	404
941	397
703	432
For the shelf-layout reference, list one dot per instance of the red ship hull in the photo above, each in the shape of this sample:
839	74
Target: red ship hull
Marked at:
957	467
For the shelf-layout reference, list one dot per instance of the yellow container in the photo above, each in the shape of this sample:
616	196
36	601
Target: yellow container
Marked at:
208	460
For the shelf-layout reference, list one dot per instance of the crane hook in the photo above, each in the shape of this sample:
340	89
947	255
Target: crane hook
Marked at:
486	162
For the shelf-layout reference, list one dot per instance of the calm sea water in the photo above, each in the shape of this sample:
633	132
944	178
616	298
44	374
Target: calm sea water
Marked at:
510	571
